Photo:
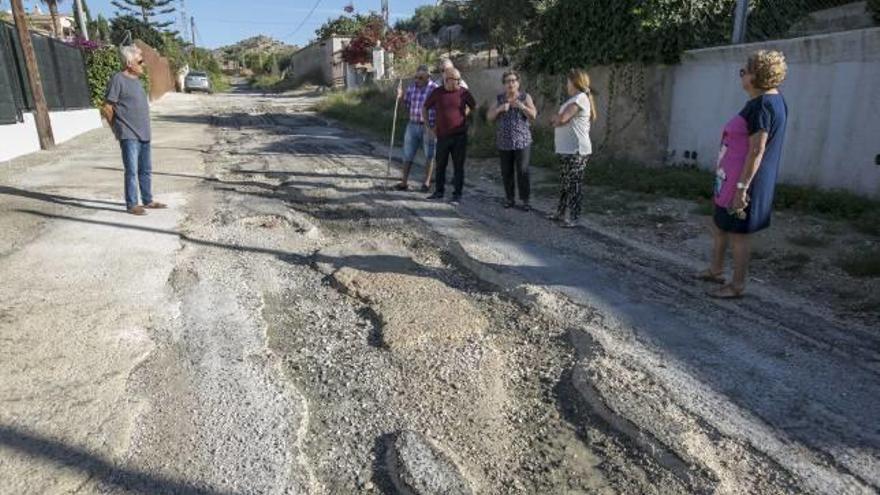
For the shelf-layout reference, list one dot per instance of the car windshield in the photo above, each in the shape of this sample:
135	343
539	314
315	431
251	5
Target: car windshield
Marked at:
197	74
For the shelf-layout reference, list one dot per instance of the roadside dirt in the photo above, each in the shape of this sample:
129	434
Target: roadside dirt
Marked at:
800	252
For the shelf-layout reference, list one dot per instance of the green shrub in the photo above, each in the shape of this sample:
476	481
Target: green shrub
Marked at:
219	82
101	64
265	82
370	109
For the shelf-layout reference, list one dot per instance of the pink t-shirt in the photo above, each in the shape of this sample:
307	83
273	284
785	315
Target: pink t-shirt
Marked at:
731	160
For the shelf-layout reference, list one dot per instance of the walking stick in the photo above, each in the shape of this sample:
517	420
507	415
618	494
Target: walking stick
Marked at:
393	131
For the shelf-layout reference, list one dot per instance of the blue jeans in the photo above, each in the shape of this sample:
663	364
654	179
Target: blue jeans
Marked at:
138	171
415	137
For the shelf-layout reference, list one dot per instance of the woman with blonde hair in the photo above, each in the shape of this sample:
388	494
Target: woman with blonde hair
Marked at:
573	146
747	169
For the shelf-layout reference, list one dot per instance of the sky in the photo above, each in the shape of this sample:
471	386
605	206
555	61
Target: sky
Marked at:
223	22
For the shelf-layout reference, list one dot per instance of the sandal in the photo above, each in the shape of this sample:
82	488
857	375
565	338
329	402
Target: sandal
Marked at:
155	205
727	292
710	276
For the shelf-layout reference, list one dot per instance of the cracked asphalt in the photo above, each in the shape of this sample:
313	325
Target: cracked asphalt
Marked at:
288	326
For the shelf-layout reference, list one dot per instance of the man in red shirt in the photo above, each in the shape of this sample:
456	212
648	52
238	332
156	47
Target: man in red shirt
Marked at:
452	103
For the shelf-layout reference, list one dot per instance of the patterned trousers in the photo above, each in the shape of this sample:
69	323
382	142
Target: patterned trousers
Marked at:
571	183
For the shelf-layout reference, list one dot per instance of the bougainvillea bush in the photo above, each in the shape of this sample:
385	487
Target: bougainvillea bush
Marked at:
360	50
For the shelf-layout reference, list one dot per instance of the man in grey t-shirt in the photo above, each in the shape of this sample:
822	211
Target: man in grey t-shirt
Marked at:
127	109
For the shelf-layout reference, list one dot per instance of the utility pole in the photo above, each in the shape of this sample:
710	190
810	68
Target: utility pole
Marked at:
41	110
192	28
740	21
385	15
184	24
81	20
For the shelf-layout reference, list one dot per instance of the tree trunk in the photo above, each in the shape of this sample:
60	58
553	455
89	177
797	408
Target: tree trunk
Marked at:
56	21
145	16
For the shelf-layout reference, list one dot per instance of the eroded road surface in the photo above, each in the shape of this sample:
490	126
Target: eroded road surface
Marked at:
287	326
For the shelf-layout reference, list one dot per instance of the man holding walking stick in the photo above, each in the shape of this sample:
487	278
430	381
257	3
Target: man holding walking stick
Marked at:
419	133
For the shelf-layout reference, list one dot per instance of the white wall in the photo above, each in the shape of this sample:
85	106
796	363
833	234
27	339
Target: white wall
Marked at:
833	94
21	138
68	125
18	139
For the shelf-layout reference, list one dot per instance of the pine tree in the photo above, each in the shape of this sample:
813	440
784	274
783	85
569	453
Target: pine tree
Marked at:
147	10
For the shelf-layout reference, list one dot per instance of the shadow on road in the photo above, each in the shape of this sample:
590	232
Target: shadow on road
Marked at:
62	200
95	466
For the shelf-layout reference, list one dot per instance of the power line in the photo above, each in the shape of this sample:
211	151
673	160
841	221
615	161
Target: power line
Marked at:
305	19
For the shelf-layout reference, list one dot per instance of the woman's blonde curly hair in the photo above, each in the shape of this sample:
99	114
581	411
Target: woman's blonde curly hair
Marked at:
768	69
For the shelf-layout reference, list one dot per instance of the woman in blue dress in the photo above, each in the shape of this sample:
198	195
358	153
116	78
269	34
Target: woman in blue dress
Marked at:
748	167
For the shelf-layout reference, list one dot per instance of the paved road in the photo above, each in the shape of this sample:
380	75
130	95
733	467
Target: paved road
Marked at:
277	328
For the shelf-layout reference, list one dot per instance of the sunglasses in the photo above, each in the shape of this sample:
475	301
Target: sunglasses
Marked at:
510	80
452	79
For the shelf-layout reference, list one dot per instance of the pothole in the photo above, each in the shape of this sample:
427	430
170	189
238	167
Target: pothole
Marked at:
265	221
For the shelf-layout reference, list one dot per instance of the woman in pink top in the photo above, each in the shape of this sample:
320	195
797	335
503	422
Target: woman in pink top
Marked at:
748	167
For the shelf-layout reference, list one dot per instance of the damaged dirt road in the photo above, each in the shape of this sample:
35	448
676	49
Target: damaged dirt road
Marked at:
289	327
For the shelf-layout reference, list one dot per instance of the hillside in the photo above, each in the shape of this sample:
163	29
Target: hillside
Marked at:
257	45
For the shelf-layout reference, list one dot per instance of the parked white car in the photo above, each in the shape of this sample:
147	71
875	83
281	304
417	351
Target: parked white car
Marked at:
197	81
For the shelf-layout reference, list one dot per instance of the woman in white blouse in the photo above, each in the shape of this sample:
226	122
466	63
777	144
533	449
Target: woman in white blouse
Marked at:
573	146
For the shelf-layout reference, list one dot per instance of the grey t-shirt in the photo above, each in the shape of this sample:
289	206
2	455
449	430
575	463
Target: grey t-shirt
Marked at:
131	118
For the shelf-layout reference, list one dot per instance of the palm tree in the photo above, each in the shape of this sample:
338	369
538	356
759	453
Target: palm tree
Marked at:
56	20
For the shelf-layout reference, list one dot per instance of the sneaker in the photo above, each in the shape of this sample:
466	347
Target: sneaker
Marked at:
568	224
137	210
436	195
455	201
526	207
508	204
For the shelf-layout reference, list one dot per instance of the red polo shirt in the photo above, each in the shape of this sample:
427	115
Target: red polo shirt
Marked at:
450	108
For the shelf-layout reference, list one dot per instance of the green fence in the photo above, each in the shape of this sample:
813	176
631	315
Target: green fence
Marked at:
62	72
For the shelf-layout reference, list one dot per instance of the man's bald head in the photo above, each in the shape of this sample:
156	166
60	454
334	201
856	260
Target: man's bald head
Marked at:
451	78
